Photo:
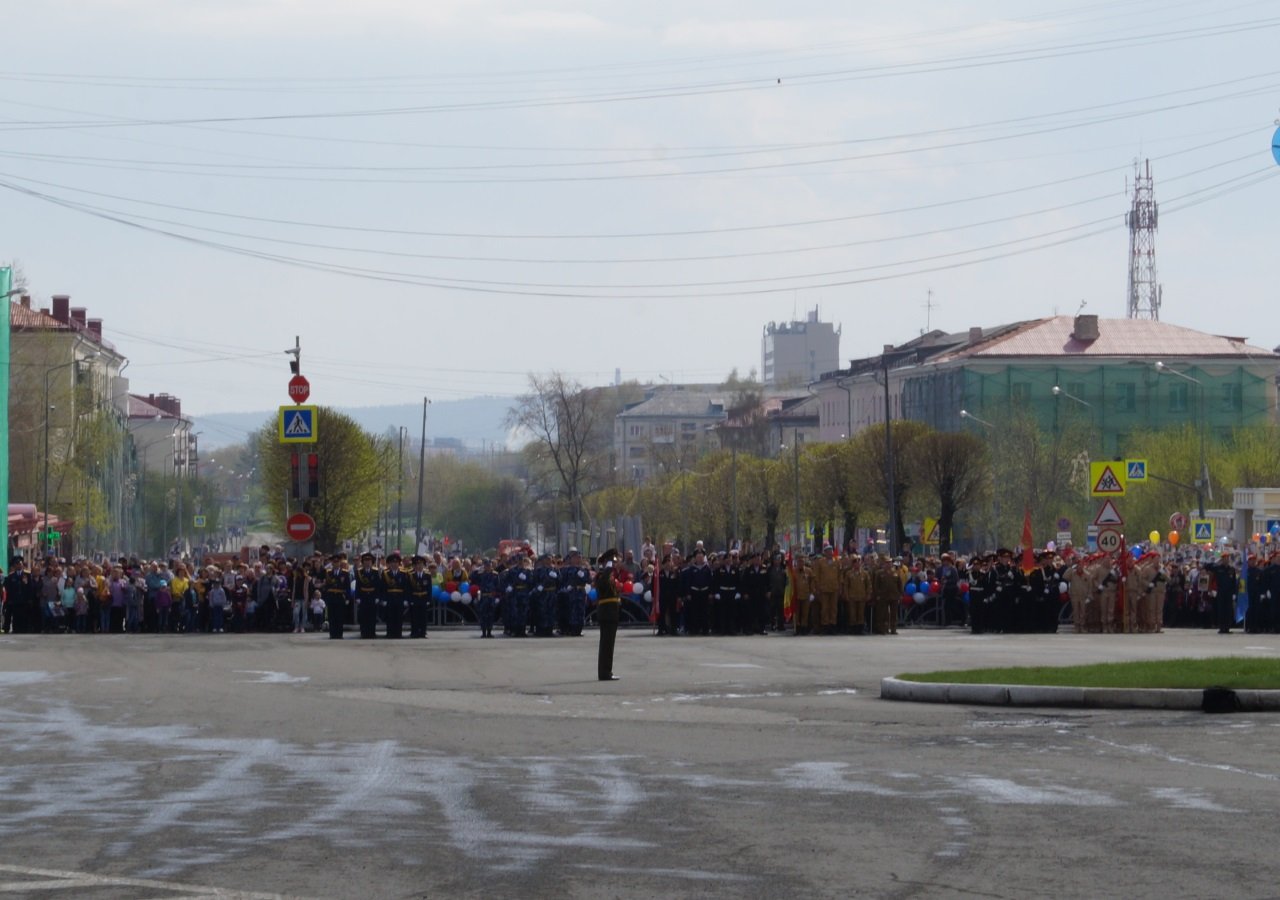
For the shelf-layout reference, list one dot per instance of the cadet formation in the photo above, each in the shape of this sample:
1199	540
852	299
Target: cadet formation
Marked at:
522	594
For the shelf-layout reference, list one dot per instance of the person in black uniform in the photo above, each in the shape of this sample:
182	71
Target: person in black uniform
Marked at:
981	594
1226	584
396	589
726	596
19	593
337	583
608	610
368	593
1008	588
697	580
1043	607
420	584
753	582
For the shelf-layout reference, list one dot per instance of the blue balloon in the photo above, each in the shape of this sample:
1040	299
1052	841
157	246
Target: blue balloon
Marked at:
464	588
1275	527
1275	146
966	597
1136	551
909	590
592	594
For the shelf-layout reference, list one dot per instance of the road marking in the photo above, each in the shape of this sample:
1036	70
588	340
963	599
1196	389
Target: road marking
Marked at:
56	879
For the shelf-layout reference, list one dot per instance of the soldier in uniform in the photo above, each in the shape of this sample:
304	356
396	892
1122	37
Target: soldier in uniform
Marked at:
515	614
336	585
981	593
368	593
546	578
777	620
754	585
608	610
420	585
1041	609
19	593
725	595
571	601
395	595
490	584
855	588
801	595
826	586
886	589
697	582
1008	585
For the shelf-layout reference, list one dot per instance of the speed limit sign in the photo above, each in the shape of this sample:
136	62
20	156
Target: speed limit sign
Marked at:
1109	540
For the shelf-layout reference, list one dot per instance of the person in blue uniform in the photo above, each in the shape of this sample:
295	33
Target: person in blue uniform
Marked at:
515	614
546	583
396	589
334	590
575	581
420	584
368	593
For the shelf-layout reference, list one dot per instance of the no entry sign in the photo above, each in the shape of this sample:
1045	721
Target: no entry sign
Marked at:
300	527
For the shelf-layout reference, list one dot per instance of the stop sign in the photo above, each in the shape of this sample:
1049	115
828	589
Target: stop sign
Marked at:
299	389
300	527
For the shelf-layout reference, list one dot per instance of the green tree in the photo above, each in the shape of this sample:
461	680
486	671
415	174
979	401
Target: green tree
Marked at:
869	467
351	476
951	468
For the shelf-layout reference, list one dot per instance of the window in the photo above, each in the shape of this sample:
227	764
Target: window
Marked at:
1177	398
635	452
1020	392
688	426
1232	397
1125	394
637	431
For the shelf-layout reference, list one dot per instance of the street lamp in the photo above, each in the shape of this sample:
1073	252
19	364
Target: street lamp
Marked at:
995	501
142	480
47	409
1201	483
1059	392
965	414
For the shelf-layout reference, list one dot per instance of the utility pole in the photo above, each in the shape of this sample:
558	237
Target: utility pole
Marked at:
888	457
422	468
400	494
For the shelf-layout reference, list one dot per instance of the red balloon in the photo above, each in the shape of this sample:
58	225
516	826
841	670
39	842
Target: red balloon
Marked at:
475	590
908	599
450	586
964	586
934	587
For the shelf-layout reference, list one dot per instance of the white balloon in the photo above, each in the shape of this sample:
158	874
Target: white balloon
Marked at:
637	588
919	597
648	596
455	596
1062	587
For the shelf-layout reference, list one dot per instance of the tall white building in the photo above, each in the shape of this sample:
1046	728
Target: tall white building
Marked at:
798	353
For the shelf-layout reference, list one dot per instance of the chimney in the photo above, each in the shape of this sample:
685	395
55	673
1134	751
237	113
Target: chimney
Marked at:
1086	329
95	328
26	301
78	314
975	334
888	348
167	403
62	307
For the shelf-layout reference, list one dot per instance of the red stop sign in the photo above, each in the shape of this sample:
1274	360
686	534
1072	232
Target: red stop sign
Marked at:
299	389
300	527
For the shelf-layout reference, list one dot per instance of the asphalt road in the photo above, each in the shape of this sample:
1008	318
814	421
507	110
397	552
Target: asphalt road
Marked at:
191	766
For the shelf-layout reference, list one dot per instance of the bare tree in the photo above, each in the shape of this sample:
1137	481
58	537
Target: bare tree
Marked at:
563	421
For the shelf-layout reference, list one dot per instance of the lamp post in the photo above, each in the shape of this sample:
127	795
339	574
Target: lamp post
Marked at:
1201	483
422	465
995	501
142	481
47	409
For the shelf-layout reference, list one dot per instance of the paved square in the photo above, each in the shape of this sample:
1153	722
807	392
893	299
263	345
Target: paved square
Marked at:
739	767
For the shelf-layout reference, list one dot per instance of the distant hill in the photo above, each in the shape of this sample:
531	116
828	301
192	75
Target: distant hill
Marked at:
475	422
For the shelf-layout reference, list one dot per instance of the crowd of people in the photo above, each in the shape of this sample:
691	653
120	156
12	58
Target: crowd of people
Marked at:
738	591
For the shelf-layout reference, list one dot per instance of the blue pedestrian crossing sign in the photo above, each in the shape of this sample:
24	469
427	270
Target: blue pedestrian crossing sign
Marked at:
1202	531
297	424
1137	469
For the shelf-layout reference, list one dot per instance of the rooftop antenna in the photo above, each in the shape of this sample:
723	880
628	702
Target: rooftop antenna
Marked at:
928	310
1143	218
1083	304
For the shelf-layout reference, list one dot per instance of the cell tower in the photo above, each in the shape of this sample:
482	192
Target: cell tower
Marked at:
1143	219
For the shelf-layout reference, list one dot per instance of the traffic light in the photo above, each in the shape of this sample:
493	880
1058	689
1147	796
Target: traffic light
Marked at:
313	475
295	476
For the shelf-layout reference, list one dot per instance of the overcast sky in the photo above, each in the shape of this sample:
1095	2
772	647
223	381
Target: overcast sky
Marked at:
439	196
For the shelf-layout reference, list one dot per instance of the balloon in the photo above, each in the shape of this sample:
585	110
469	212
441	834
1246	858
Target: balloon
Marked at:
648	596
934	587
465	598
965	598
455	596
450	587
475	590
1062	587
1173	538
1154	537
908	598
464	588
1051	546
592	594
637	588
920	597
909	591
964	587
1136	551
1275	528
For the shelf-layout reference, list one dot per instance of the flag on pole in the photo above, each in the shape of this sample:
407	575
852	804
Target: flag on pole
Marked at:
654	607
1242	597
788	596
1028	556
1125	561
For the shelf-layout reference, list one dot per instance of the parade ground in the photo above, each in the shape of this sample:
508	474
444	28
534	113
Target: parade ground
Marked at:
266	765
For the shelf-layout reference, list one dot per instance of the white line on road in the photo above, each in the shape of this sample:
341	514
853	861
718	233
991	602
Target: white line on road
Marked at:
60	880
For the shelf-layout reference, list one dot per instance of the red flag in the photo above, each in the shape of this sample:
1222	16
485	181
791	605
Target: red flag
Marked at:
1125	560
1028	557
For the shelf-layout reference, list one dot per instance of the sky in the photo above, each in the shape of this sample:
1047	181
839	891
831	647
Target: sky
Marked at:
441	197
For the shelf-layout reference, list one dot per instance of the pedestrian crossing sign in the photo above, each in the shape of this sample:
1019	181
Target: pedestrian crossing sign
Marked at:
1106	479
1137	469
297	424
929	533
1202	531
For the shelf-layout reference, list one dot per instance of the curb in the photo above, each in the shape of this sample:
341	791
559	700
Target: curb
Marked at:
1074	697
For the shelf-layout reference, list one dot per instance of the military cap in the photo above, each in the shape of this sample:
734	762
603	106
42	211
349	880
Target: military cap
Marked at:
608	556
